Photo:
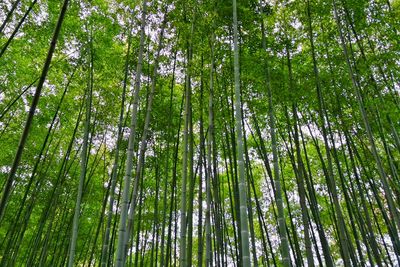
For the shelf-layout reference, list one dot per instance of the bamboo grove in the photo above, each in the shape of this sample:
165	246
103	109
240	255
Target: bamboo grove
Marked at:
200	133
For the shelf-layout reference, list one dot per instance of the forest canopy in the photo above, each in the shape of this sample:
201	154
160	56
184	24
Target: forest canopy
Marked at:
200	133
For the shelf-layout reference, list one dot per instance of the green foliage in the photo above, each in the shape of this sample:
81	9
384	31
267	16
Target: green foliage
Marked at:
36	225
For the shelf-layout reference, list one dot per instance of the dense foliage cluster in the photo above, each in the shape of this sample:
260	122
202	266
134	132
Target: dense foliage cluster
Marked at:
200	133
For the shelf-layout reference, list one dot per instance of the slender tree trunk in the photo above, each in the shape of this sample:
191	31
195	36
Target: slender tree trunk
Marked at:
200	242
32	109
122	237
114	173
169	136
239	139
5	46
185	158
143	142
209	173
284	246
9	16
394	213
302	192
83	161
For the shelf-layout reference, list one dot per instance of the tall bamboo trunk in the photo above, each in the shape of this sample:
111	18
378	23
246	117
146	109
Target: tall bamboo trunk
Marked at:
239	140
122	236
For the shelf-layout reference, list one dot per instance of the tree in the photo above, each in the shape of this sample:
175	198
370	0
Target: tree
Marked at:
199	133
